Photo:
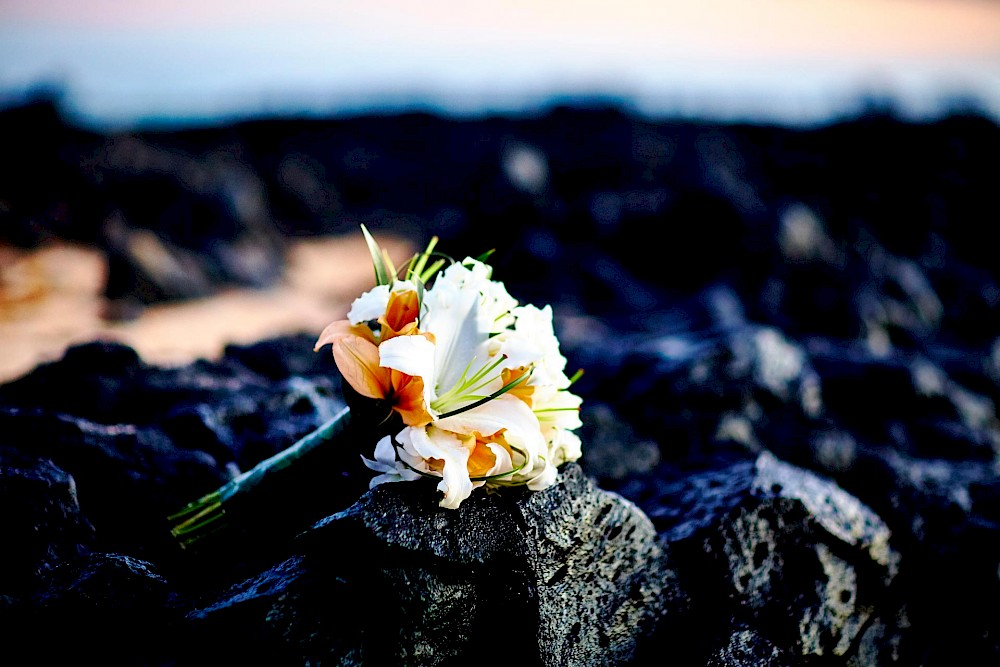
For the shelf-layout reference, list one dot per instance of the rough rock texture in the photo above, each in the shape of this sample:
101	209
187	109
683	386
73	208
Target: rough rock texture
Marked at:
571	576
797	383
43	524
107	608
783	557
746	648
749	556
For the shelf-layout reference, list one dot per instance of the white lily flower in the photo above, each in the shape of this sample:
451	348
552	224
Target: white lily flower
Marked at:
495	409
543	479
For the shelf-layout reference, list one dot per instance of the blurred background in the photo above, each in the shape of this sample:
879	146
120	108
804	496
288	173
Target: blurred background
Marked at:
184	175
120	63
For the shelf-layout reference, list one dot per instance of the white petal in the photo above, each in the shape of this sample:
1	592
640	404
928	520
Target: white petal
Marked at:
453	317
434	443
370	305
504	412
496	303
413	355
564	446
378	466
559	409
409	454
546	478
520	351
535	325
503	463
385	462
385	451
382	479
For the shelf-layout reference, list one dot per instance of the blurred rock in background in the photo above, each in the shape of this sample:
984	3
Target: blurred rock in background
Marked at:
791	345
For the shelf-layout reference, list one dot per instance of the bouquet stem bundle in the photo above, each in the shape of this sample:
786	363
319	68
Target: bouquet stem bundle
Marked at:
206	515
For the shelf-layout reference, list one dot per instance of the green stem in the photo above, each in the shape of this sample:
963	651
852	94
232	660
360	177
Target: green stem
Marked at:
204	515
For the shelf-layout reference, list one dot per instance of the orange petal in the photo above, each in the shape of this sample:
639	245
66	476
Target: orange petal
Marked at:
408	399
523	391
481	460
357	360
403	308
333	331
388	332
340	328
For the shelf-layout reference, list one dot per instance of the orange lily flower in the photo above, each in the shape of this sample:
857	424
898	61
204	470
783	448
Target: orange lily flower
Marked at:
356	354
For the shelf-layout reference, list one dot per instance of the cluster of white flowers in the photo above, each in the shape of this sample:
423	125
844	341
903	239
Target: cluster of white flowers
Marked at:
478	380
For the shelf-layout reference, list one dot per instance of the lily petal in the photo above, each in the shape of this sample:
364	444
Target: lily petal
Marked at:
401	312
503	462
453	317
385	462
413	355
546	478
332	332
370	305
434	443
358	361
557	409
506	413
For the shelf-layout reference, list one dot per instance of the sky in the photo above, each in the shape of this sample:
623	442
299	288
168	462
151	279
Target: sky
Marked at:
191	61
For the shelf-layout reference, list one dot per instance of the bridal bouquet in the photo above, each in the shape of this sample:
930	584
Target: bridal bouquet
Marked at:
475	381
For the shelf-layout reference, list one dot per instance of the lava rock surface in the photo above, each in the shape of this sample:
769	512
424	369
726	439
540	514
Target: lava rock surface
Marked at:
791	346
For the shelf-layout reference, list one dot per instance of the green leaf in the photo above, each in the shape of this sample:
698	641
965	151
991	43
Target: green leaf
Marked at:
486	255
426	276
486	399
385	272
419	261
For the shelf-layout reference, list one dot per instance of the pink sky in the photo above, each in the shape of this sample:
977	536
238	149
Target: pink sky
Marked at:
917	27
156	52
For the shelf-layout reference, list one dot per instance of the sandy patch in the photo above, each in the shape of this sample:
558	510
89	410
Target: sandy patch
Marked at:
51	298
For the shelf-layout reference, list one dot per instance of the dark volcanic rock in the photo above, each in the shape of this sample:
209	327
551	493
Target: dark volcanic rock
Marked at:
111	609
746	648
43	523
766	530
805	225
898	431
570	576
753	558
791	346
143	441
